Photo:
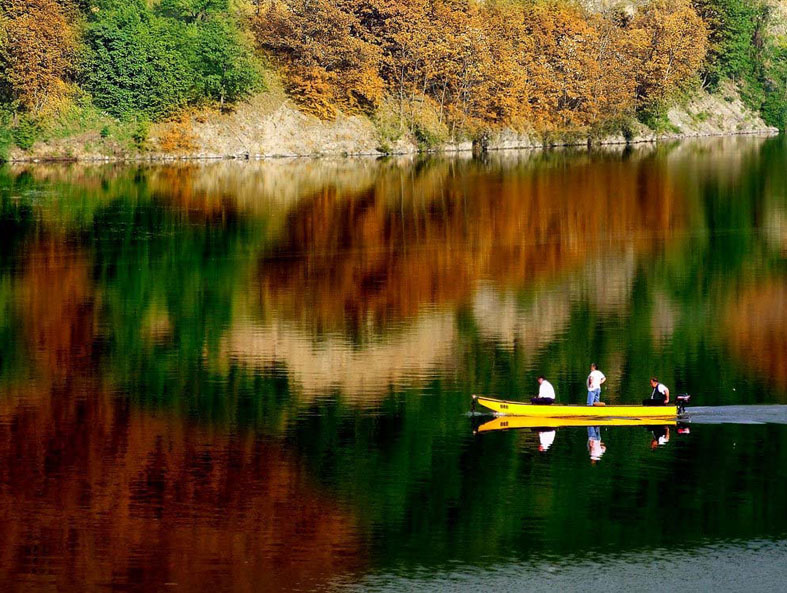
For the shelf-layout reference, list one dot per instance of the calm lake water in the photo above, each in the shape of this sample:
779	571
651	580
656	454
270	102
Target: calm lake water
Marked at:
256	376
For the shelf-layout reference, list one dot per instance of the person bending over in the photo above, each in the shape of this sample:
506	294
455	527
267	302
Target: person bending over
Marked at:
659	396
546	393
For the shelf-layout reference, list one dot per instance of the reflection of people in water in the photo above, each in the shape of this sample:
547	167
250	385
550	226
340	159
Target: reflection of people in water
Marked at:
659	396
660	436
595	446
545	439
546	393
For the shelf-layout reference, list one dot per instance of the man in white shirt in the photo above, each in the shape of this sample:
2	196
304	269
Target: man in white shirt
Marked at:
659	396
546	393
595	379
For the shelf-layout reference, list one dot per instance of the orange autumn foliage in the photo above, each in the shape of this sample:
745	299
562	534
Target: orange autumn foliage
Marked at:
576	67
37	48
328	67
178	135
665	44
543	64
92	487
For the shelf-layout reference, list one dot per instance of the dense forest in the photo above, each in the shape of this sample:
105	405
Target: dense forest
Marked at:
434	69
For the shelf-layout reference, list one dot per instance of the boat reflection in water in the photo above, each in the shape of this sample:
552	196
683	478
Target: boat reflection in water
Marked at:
546	429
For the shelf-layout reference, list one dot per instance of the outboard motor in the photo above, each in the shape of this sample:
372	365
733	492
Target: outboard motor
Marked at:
681	400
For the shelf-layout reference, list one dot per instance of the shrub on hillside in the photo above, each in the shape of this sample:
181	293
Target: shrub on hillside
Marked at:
774	108
745	50
153	61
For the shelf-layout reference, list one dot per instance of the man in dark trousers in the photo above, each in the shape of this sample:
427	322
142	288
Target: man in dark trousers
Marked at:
546	393
659	396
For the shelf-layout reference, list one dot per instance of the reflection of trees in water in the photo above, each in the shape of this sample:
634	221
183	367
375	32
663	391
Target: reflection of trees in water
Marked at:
368	257
604	282
102	494
422	348
426	236
93	483
755	330
57	301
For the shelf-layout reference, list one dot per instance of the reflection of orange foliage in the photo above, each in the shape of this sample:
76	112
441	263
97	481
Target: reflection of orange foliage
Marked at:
429	238
102	494
56	299
95	493
756	331
176	187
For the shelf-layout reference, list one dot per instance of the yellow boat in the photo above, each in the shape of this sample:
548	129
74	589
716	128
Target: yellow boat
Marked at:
512	408
514	422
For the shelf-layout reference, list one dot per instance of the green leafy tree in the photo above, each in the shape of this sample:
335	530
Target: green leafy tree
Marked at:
134	64
224	69
734	32
774	108
744	50
192	10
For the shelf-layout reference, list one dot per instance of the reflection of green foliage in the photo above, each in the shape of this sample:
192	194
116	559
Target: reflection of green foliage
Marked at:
429	490
12	356
16	215
16	224
146	257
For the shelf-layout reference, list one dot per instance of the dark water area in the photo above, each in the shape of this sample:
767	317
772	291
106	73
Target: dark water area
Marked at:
257	376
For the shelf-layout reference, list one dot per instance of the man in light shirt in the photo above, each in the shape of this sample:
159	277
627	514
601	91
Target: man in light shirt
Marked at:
546	393
659	396
595	379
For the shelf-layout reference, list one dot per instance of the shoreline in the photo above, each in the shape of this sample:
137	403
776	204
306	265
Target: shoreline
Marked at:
446	149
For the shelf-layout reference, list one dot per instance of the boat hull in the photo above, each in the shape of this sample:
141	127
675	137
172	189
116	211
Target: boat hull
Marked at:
513	408
515	422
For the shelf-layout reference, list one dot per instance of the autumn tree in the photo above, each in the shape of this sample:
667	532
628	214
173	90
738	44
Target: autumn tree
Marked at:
575	67
504	97
37	50
329	66
666	43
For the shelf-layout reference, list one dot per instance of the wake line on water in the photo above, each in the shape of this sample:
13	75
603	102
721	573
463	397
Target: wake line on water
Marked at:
762	414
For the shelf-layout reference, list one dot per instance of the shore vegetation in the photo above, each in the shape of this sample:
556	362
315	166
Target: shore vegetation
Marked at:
435	70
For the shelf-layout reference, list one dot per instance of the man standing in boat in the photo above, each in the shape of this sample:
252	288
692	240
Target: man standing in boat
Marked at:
546	393
595	379
659	396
